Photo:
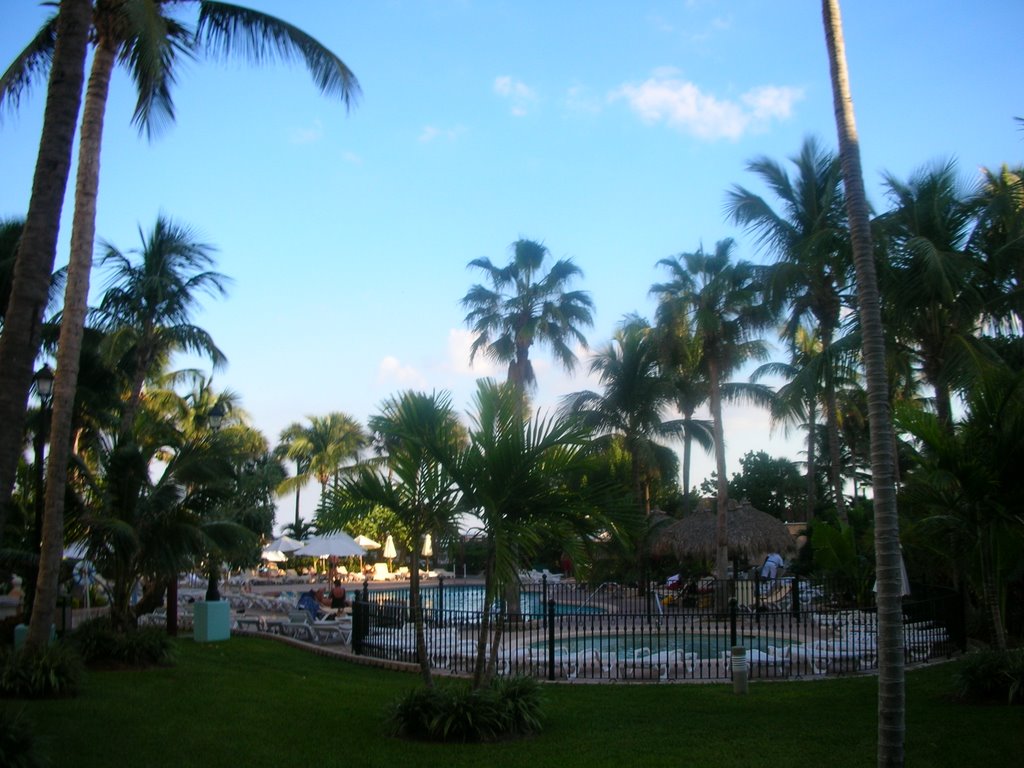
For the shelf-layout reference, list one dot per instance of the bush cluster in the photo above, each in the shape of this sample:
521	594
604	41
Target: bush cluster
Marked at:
17	747
506	709
99	642
996	676
54	671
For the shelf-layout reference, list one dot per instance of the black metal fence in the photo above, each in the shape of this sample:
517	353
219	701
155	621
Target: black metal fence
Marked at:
788	627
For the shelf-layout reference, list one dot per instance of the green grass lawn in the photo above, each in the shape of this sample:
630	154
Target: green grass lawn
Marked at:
253	702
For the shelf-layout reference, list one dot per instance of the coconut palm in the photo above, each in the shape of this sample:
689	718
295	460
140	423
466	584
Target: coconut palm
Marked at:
998	240
811	277
151	295
66	38
321	448
522	307
891	692
139	34
932	284
410	484
632	404
721	300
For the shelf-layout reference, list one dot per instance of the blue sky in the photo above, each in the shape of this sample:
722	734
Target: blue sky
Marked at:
610	131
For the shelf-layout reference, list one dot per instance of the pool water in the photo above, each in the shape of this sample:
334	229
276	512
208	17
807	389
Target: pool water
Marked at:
626	646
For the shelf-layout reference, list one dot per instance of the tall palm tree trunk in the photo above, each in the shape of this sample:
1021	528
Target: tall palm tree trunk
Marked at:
722	517
687	456
812	462
37	247
83	231
416	609
891	683
835	461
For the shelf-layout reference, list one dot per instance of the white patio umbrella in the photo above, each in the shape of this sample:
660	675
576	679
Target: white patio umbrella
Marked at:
338	544
389	551
366	543
273	555
284	544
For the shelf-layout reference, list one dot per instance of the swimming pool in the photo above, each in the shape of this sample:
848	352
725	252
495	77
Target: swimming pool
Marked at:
626	646
471	598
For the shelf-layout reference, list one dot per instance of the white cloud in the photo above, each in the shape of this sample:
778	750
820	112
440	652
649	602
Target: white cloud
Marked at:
432	132
308	135
459	342
666	97
351	158
579	98
520	96
391	369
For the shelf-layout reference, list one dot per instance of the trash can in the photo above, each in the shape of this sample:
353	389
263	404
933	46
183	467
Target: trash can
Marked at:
212	621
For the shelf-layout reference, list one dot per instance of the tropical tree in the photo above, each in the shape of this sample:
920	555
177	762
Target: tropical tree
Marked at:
811	278
139	34
522	307
410	483
998	240
967	484
66	39
633	403
147	307
513	474
321	448
891	690
722	302
932	283
680	358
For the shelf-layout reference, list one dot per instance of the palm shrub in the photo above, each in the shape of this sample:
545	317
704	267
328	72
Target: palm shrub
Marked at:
991	676
54	671
99	642
506	708
17	749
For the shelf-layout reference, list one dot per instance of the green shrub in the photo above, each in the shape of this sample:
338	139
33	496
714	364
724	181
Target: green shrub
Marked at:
100	643
507	708
992	676
54	671
17	749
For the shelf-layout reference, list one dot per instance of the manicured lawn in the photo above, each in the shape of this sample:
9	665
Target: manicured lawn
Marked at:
253	702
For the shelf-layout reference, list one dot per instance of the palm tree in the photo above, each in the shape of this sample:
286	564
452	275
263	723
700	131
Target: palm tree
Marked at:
522	307
680	356
320	448
413	486
998	239
722	303
811	275
148	304
137	32
633	403
932	285
67	39
891	691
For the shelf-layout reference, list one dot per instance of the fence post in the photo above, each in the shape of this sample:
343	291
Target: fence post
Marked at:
544	596
551	638
796	597
440	601
360	624
733	610
366	590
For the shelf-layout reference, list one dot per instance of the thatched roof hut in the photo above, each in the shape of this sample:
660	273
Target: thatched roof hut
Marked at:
751	532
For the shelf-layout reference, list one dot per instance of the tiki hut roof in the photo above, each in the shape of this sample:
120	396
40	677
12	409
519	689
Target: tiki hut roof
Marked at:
750	532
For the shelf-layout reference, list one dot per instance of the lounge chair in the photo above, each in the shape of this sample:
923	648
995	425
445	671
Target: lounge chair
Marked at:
381	572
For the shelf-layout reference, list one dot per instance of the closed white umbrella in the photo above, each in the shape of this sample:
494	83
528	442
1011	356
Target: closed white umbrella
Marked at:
389	550
428	549
366	542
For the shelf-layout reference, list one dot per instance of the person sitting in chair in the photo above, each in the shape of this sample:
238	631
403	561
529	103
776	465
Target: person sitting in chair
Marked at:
310	603
338	595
